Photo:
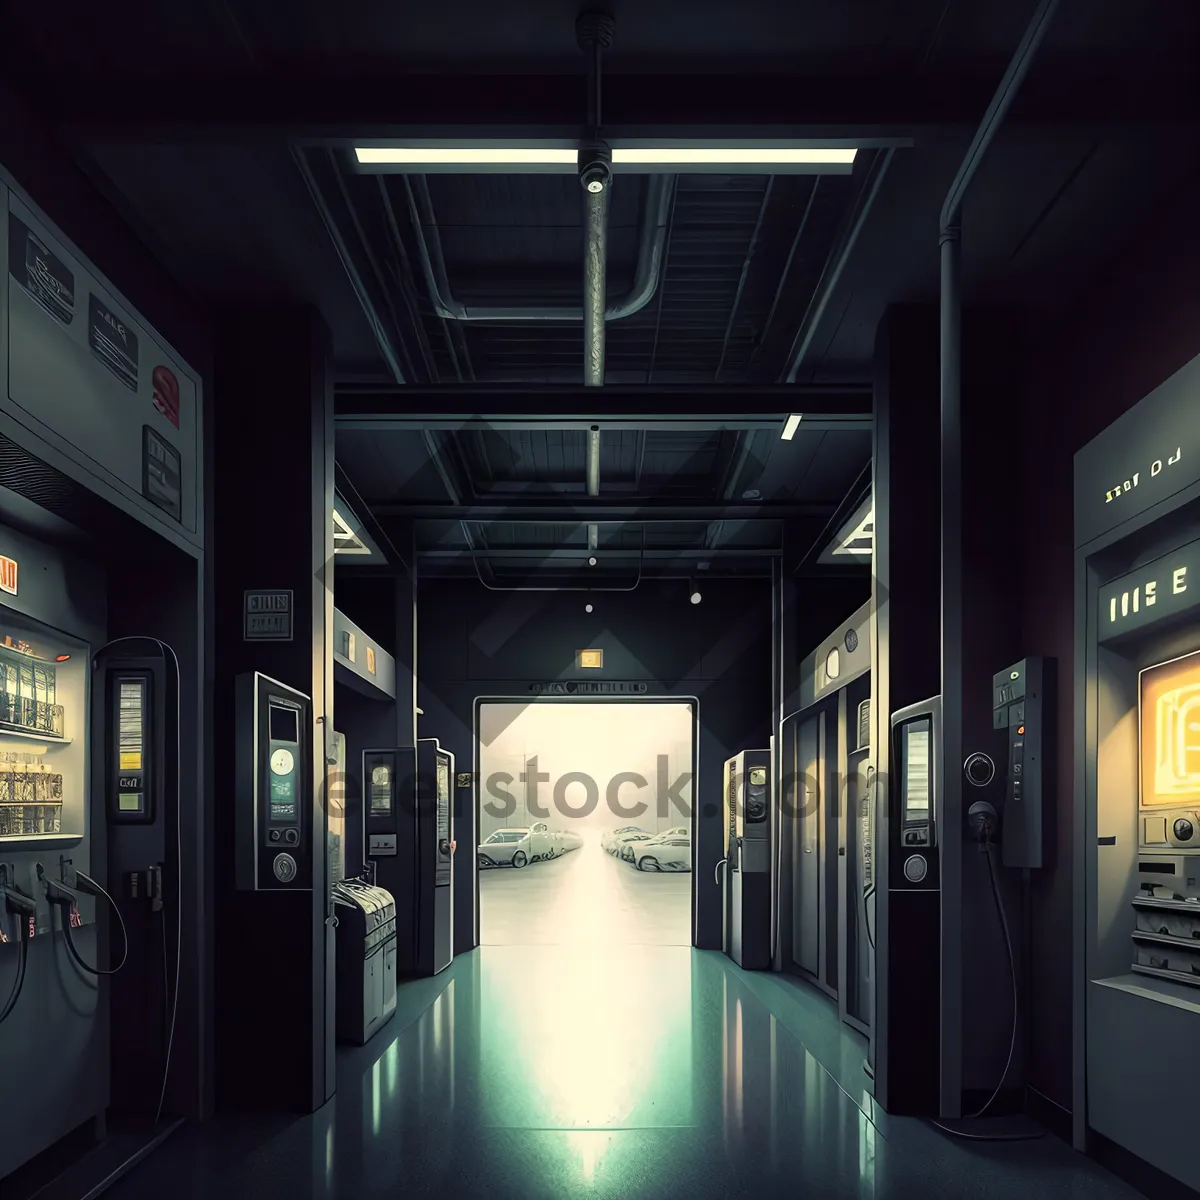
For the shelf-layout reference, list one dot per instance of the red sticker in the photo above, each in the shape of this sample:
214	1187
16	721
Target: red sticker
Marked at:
166	394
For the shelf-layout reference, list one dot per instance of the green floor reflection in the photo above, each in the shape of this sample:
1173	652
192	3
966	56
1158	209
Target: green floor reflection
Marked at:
581	1039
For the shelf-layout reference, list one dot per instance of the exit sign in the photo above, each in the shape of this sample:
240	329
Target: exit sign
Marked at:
589	659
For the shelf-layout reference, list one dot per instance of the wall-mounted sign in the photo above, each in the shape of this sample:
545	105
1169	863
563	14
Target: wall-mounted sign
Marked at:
1165	588
162	473
1148	454
113	342
104	391
267	616
589	659
371	659
571	687
8	575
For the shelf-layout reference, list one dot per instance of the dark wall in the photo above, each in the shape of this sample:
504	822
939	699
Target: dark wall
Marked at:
1134	329
474	642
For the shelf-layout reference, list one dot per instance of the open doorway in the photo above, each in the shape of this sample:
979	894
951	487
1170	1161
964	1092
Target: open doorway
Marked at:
585	821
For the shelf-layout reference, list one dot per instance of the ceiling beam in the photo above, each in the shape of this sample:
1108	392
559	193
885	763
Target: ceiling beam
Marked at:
879	109
676	408
598	512
575	555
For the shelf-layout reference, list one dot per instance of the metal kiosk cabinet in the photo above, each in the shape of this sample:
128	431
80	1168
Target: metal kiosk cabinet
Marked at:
747	861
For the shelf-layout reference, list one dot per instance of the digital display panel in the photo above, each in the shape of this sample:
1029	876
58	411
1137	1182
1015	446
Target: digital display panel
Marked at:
1169	742
380	786
284	724
917	766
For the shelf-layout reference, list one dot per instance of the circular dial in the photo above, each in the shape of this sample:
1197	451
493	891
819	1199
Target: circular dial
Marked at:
851	640
1184	829
915	868
284	867
282	762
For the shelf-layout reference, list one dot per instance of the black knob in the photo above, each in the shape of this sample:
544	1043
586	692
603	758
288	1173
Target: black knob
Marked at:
1183	829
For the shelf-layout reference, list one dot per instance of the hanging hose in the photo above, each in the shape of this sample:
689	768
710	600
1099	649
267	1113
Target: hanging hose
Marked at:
67	899
20	905
1012	1042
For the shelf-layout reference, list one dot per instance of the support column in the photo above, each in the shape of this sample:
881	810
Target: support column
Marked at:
906	637
273	466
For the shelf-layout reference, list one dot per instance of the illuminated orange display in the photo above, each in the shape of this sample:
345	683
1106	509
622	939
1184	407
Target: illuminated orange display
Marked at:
1169	713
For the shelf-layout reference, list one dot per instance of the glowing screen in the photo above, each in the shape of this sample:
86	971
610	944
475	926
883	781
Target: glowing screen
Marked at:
1169	714
916	769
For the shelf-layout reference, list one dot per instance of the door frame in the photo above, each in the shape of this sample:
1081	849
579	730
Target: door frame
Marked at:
477	704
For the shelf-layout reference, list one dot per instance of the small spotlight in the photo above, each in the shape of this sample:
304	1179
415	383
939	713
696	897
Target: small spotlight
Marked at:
592	561
595	186
587	608
696	597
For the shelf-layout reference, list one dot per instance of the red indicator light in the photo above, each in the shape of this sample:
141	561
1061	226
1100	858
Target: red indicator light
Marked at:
62	658
1021	729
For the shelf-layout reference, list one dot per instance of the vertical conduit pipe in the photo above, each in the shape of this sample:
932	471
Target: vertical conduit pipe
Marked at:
950	1068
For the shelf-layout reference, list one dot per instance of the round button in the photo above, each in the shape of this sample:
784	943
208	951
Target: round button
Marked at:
274	835
285	868
1184	829
282	762
291	836
915	868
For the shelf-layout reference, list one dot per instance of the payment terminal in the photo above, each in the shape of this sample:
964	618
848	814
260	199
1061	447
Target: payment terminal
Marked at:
274	782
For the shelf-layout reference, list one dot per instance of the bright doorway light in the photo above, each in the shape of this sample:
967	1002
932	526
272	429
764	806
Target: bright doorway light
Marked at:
790	426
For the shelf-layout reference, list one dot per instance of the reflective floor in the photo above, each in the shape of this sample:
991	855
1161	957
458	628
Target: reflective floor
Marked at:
591	1070
587	895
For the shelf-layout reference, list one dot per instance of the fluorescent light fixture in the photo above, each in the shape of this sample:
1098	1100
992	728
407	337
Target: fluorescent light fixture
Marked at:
464	156
790	426
630	158
729	156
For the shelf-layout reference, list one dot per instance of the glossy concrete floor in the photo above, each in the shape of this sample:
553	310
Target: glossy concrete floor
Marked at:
587	1066
587	894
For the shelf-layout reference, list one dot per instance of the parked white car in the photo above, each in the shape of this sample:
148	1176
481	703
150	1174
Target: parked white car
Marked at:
519	847
664	853
628	847
609	840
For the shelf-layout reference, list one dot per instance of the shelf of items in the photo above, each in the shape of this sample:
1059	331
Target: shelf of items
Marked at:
47	739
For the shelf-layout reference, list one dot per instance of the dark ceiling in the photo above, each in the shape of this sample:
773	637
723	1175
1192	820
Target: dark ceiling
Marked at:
224	135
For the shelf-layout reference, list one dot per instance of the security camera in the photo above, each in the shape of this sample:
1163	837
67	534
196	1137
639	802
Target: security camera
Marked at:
595	167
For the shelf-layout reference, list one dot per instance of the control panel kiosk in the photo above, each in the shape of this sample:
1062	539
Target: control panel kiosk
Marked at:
407	798
745	869
435	833
1137	784
919	1067
274	780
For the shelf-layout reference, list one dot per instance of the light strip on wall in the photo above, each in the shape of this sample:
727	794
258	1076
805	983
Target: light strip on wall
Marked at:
790	426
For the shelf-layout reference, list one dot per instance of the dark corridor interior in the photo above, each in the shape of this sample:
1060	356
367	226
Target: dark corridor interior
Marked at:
380	381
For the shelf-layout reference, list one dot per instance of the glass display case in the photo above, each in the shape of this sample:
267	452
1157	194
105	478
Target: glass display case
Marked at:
43	697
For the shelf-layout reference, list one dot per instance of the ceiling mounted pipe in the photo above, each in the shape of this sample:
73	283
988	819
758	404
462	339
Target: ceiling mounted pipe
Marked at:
647	274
